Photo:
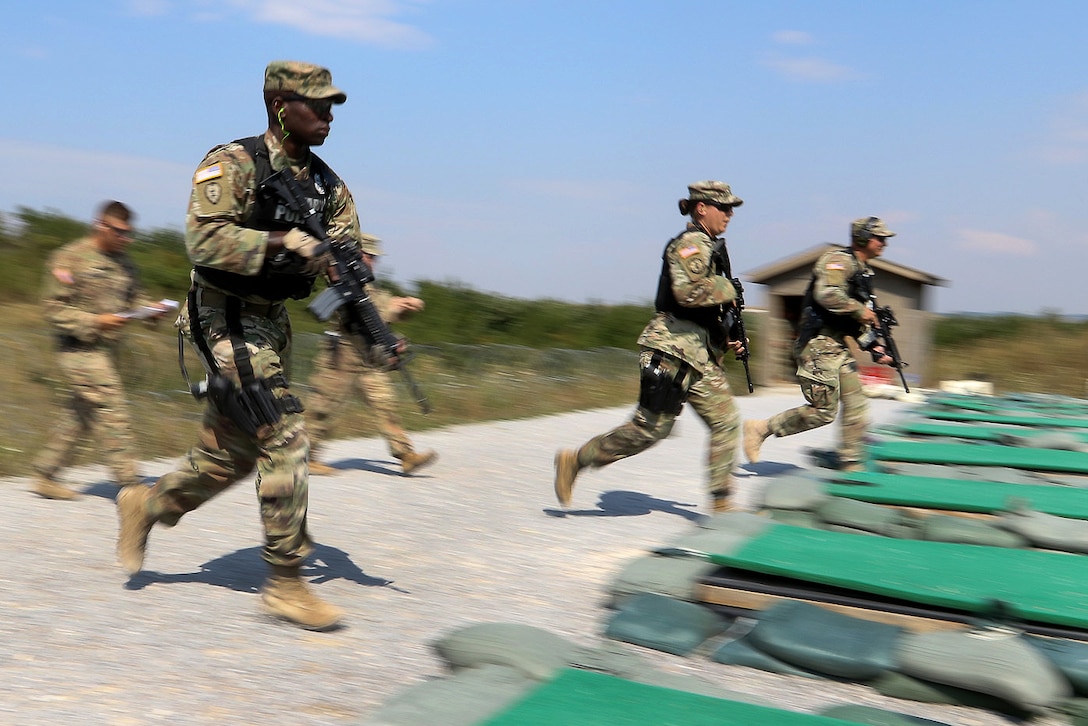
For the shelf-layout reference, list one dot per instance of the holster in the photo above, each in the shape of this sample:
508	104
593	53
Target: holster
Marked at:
662	390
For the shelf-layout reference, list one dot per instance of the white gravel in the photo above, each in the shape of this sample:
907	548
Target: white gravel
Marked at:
475	538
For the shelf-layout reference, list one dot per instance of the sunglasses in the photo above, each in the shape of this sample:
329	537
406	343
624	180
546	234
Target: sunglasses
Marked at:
320	106
727	209
119	231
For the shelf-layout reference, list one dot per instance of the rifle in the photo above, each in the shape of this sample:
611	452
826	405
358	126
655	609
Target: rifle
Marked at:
737	331
885	322
346	292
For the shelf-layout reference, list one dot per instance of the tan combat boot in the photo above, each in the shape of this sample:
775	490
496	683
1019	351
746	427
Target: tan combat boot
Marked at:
414	460
566	471
319	469
135	525
720	503
756	432
285	595
50	489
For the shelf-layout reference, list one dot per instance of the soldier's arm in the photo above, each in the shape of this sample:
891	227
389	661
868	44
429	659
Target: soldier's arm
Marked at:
693	283
831	287
65	305
223	191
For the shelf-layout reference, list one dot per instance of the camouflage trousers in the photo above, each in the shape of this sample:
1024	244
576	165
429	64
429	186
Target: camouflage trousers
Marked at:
96	412
829	380
338	369
711	397
225	453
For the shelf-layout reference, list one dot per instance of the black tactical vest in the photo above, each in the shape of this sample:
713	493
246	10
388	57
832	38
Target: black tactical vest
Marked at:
815	316
280	277
665	301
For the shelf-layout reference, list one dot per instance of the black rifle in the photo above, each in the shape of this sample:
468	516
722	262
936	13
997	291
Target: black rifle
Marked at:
350	274
885	322
731	318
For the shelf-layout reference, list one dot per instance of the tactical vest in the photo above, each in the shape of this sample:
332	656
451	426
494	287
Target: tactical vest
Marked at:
815	316
665	302
281	276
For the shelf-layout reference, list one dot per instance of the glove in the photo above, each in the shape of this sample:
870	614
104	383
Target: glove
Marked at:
309	248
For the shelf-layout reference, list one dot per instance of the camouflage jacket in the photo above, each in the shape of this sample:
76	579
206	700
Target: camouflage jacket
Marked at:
695	283
831	287
81	283
223	196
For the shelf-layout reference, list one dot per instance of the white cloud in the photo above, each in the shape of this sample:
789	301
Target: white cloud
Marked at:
792	37
815	69
368	21
997	243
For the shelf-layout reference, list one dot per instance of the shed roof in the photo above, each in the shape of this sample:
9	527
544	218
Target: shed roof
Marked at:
807	258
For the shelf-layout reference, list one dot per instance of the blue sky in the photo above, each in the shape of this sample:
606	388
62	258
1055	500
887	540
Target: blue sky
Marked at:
537	148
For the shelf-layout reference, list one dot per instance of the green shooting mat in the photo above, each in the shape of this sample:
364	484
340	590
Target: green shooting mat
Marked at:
1028	419
975	432
1016	457
587	698
1038	586
958	495
1053	406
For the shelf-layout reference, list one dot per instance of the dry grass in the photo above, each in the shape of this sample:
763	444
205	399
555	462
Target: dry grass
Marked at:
464	384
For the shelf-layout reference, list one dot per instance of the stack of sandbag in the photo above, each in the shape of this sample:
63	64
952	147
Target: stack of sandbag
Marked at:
494	665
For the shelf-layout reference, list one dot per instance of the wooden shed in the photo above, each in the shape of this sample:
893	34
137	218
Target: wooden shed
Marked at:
901	287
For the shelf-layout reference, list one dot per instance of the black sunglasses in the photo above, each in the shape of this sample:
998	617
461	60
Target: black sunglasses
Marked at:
727	208
320	106
119	231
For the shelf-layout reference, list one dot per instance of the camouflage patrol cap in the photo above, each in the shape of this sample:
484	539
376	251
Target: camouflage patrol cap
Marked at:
370	244
868	227
305	79
714	192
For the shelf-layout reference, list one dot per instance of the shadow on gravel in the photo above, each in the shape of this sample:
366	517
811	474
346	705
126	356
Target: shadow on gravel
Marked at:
769	468
629	504
245	571
371	465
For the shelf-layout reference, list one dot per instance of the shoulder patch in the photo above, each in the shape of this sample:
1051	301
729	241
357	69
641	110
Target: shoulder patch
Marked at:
686	252
209	172
836	266
63	276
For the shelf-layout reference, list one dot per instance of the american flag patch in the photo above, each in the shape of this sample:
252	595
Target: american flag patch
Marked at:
209	172
686	252
835	266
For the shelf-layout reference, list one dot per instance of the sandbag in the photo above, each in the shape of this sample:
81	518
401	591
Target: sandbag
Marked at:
876	716
794	517
1046	530
900	685
533	651
820	640
665	624
1070	657
740	523
965	530
794	492
467	698
865	516
676	577
987	660
741	652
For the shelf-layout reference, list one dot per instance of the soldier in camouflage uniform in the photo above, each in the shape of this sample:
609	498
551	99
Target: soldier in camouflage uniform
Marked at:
88	284
682	352
249	256
837	307
340	365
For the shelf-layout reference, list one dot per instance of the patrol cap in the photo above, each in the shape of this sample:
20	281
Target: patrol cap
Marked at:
715	192
370	244
305	79
869	227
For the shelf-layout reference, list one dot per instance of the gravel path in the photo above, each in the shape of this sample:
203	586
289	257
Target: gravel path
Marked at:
475	538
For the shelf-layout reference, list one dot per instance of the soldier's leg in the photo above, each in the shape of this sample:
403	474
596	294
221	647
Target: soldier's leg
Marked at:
652	421
113	425
329	387
380	397
712	399
855	416
818	374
